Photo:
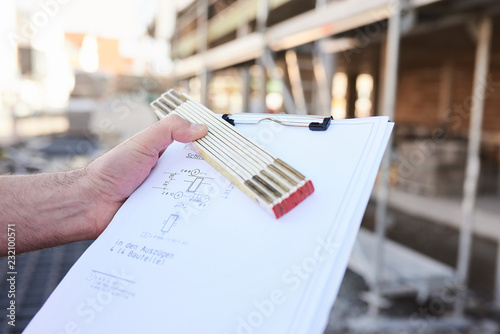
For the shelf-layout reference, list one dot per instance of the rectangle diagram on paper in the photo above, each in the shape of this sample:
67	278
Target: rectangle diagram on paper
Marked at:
169	223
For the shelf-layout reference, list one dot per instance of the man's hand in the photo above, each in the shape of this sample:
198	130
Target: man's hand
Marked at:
114	176
57	208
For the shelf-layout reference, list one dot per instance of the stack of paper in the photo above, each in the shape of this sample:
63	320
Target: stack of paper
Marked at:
189	253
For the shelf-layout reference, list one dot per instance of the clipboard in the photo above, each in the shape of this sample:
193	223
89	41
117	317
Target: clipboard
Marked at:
313	122
234	270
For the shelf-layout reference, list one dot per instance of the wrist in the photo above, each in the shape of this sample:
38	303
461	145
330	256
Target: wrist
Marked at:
101	206
70	205
82	192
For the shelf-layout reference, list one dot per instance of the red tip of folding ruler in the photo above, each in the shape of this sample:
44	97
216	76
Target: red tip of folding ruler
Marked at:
293	200
277	210
310	188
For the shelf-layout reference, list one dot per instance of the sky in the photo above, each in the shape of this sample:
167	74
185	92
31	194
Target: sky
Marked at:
106	18
126	20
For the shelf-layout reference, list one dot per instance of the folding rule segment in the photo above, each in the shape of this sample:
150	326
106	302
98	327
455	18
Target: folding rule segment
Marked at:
272	183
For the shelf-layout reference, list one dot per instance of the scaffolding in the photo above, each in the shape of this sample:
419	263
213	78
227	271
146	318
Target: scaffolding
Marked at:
241	34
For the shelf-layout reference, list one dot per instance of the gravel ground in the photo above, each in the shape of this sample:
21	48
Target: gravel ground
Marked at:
438	242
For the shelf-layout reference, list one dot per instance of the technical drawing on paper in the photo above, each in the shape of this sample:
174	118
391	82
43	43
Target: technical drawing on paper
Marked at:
187	192
193	187
169	223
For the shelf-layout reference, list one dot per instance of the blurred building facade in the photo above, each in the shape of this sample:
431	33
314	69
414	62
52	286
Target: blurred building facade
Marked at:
222	39
58	69
434	87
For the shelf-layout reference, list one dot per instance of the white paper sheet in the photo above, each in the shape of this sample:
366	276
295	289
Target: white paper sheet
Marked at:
189	253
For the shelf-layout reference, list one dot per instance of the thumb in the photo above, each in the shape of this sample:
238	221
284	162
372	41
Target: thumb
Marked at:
186	131
160	135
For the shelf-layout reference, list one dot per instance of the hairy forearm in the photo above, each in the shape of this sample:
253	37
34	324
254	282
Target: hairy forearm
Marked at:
46	209
58	208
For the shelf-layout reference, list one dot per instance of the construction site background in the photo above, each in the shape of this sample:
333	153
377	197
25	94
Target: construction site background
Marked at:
77	80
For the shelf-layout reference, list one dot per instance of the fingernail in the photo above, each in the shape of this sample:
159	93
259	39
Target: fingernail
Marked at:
197	126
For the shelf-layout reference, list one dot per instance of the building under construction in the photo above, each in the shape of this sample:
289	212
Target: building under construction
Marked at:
432	66
427	258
